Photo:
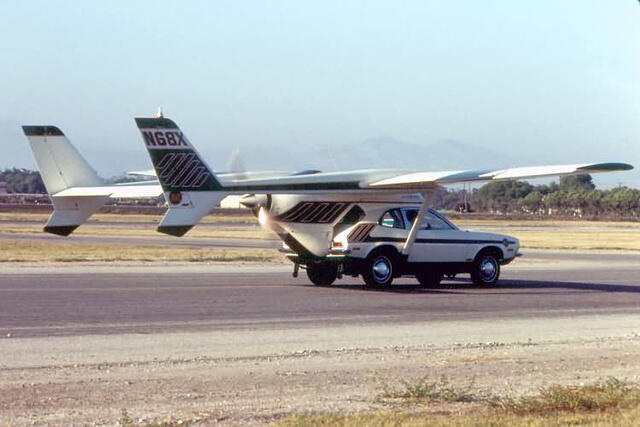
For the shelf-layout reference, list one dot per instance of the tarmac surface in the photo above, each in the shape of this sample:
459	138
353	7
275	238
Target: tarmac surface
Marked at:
90	299
247	344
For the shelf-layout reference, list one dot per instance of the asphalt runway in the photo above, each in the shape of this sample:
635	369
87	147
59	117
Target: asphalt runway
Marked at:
166	299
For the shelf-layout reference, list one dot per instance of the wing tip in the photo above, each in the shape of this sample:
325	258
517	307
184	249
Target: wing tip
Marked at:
607	167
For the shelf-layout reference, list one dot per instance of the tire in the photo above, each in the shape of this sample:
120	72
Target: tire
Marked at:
429	279
486	269
322	273
379	269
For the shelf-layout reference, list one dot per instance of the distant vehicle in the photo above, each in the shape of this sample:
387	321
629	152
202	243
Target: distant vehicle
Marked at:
370	242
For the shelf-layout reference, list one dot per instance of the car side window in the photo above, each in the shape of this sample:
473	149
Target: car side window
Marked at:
392	219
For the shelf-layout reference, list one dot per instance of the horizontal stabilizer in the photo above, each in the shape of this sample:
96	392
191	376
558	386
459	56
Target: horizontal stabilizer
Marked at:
185	212
69	213
114	191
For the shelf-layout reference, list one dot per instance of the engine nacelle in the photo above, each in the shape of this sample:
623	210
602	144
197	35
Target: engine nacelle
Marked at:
275	204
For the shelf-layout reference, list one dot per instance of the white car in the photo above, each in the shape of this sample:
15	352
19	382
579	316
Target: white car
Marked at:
372	244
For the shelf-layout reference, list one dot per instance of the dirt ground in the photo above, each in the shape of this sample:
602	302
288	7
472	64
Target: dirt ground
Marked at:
258	375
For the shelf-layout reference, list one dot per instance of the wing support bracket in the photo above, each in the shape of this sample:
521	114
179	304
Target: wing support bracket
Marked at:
411	238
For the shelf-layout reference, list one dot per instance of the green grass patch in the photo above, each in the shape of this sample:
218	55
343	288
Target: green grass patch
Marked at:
430	391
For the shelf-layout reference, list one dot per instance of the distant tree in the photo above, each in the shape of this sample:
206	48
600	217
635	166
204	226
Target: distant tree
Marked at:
23	181
448	199
547	188
500	196
577	182
532	203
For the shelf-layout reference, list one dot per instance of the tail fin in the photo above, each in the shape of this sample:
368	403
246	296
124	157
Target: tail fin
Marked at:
61	166
190	186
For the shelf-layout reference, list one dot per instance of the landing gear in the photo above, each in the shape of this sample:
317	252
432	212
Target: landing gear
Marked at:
322	273
485	270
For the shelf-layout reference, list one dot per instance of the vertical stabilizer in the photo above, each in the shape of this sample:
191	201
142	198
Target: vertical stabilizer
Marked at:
190	187
61	167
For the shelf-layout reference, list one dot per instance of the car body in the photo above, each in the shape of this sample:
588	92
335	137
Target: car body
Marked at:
375	246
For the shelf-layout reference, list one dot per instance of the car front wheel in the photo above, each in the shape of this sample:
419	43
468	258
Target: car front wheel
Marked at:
485	270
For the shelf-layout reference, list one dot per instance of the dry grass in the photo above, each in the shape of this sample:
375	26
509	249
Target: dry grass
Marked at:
88	230
579	240
72	252
626	418
609	403
609	395
574	235
515	223
111	217
533	234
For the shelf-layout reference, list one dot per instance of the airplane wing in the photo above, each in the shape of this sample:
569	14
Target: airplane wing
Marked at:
187	180
429	180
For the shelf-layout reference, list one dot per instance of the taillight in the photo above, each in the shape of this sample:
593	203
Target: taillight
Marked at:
335	244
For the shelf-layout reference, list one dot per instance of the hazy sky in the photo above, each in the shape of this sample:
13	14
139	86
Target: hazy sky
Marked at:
541	81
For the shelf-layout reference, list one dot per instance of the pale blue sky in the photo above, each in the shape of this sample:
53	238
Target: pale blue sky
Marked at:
544	81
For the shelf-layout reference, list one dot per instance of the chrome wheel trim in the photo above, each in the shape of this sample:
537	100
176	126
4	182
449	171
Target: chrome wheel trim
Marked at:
488	269
381	269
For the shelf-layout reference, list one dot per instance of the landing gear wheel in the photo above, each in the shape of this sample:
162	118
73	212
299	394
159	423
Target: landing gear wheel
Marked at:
429	279
379	270
485	270
322	273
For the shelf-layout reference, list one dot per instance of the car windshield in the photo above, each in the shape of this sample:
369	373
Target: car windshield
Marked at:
432	220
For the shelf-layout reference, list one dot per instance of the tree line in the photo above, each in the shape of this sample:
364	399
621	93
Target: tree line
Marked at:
572	196
22	181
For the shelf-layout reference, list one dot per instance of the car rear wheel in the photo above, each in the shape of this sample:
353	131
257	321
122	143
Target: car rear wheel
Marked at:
379	269
486	269
429	278
322	273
